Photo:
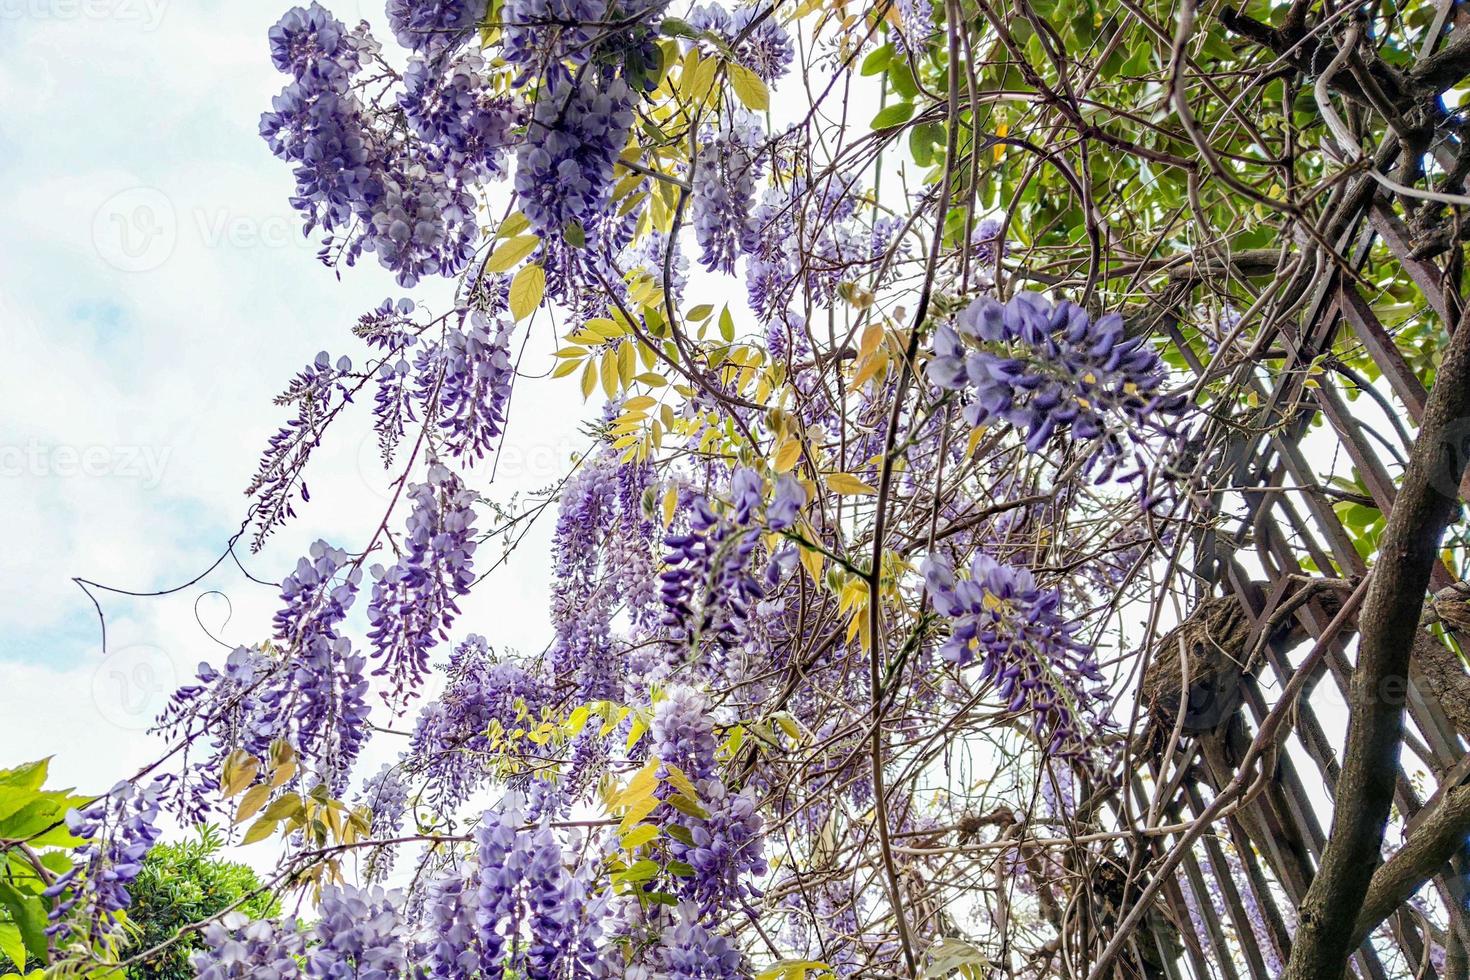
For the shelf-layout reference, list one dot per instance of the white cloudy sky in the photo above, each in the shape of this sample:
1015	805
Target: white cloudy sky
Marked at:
156	294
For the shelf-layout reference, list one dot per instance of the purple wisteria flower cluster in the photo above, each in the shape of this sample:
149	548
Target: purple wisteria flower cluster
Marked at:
523	906
310	690
1052	369
464	126
724	849
357	176
450	747
1026	648
708	586
414	601
564	168
431	26
240	948
809	241
753	35
357	933
725	172
120	828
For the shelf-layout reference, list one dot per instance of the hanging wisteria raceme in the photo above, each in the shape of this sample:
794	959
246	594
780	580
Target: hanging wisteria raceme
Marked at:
239	948
690	951
475	384
121	827
310	689
386	796
1052	369
725	172
757	39
466	128
451	751
414	601
709	586
434	26
564	168
1026	648
543	36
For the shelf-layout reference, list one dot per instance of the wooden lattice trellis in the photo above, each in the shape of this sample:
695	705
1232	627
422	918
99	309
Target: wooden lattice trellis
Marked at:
1277	836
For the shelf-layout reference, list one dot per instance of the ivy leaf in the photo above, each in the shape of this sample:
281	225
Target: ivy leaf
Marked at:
526	291
749	87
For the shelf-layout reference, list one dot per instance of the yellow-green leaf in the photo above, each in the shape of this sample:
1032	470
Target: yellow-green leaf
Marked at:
526	291
638	810
610	373
680	782
251	802
638	836
259	830
508	253
849	485
787	456
749	87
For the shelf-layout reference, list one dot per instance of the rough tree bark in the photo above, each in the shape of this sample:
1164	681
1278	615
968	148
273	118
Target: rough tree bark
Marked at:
1424	507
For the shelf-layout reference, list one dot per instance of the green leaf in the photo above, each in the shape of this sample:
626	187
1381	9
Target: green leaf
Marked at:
29	915
877	60
28	778
791	969
259	830
12	945
640	871
674	27
893	115
687	806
